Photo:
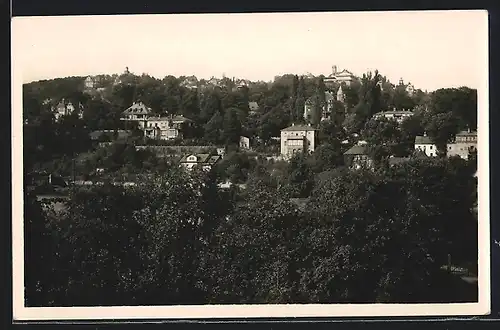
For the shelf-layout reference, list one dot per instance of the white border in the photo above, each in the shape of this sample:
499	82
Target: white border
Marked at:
22	313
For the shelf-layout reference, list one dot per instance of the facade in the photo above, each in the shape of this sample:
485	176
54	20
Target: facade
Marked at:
357	157
339	77
253	106
90	83
65	108
244	143
155	127
296	139
325	111
397	115
190	82
425	145
203	161
465	143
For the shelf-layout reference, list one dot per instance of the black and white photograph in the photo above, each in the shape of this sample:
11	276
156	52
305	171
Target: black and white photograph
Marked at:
249	165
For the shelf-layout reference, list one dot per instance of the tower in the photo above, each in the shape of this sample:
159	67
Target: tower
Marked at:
334	69
340	95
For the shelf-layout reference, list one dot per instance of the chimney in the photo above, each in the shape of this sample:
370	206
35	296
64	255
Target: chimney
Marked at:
425	133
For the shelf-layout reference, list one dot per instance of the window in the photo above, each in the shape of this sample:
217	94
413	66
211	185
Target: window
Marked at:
430	147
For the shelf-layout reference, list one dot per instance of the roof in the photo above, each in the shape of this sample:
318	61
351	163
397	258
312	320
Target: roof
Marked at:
253	105
394	112
423	140
138	108
201	158
180	119
357	150
341	73
299	128
466	133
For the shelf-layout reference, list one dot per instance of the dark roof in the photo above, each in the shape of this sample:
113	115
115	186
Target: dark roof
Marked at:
299	128
201	158
357	150
423	140
138	108
466	133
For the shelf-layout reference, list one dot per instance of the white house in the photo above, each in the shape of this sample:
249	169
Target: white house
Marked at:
425	144
297	138
65	108
244	142
465	143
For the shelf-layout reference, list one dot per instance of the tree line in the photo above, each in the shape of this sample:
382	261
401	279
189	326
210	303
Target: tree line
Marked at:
364	236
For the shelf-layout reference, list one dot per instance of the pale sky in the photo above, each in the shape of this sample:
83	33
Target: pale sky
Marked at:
434	49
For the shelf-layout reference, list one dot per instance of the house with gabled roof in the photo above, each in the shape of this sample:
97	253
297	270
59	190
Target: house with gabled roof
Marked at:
426	145
358	156
138	111
203	161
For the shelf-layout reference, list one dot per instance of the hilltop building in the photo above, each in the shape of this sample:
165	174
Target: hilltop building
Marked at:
358	157
339	77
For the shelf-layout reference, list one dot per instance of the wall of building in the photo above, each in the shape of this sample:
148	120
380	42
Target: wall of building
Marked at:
429	149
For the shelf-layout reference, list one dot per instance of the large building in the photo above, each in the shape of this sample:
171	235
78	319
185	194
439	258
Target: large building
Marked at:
155	126
465	143
297	139
397	115
425	145
339	77
326	110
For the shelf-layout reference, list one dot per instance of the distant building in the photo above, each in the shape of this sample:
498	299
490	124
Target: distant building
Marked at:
253	106
340	95
465	143
164	128
155	127
90	83
137	112
190	82
203	161
66	108
397	115
358	157
425	145
339	77
326	109
296	139
244	142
